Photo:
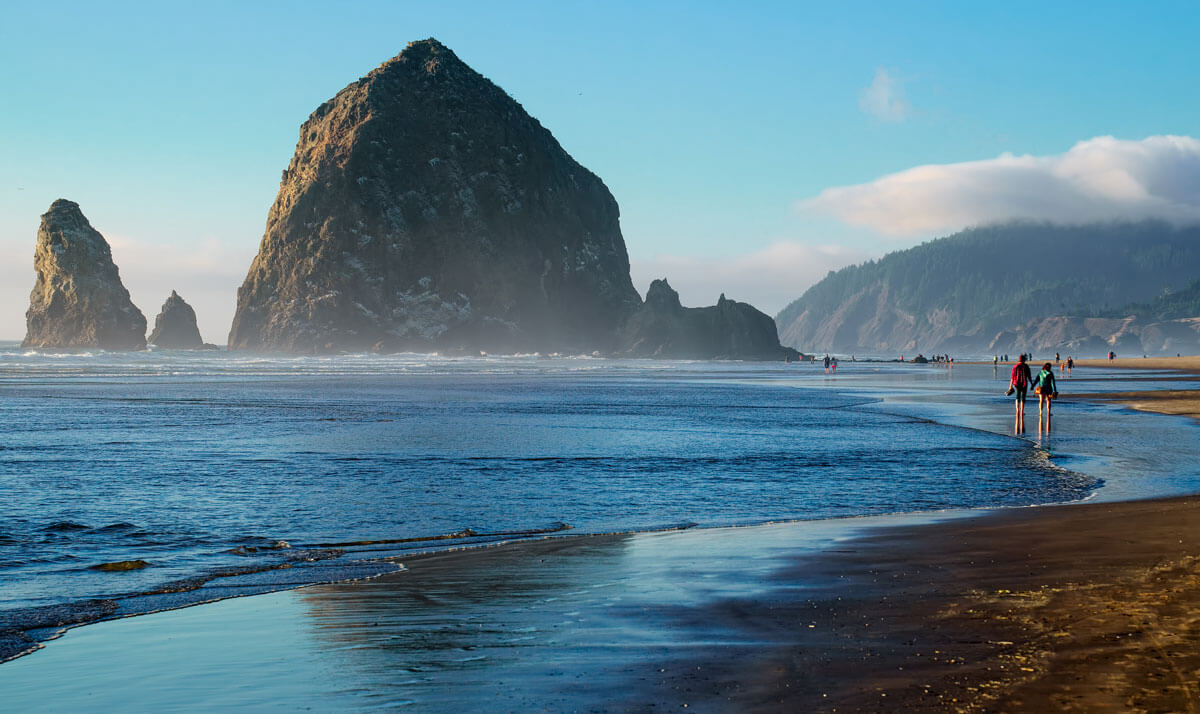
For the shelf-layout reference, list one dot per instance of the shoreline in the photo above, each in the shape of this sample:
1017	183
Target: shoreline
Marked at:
1175	402
961	614
1081	607
1088	606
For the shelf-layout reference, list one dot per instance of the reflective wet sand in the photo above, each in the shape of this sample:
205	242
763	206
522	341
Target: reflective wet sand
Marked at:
789	615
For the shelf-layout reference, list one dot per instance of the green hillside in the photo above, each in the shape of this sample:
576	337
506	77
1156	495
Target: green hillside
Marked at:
964	288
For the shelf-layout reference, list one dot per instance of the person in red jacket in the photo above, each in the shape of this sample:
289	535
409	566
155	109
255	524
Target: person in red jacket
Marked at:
1019	386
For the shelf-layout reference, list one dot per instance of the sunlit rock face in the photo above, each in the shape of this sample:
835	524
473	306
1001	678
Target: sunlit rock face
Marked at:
664	328
78	300
175	327
424	209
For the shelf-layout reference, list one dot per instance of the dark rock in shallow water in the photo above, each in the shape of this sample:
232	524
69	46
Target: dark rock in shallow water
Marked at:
424	209
728	330
121	566
78	300
175	327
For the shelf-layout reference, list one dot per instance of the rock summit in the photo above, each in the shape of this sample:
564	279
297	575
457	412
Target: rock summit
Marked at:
175	327
425	209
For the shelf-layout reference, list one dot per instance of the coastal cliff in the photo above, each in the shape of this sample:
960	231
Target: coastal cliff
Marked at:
424	209
78	300
1009	288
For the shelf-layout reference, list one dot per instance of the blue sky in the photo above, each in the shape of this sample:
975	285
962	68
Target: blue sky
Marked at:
746	147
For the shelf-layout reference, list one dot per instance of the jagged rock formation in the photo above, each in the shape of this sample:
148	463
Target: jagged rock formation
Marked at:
175	327
963	293
728	330
425	209
78	299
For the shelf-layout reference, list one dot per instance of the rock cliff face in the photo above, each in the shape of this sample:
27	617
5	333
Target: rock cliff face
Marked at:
957	294
175	327
78	300
1095	336
425	209
728	330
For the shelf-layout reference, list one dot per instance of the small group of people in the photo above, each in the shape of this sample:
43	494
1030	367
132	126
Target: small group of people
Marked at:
1065	366
830	364
1044	386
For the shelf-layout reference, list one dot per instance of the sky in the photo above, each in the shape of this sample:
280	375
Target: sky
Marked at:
751	150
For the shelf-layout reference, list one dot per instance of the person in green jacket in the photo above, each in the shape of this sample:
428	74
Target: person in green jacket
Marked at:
1046	390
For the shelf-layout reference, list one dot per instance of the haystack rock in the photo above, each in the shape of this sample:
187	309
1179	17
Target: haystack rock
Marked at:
175	327
424	209
664	328
78	300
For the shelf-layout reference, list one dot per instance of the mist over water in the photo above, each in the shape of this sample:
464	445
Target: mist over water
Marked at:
217	463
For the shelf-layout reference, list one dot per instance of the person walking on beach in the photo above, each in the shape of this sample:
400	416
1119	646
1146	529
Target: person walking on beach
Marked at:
1046	391
826	364
1018	385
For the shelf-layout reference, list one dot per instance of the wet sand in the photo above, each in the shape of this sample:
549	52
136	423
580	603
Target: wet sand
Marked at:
1180	402
1089	607
1092	607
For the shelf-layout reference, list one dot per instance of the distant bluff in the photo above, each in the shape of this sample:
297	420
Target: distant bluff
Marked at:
991	289
425	209
78	300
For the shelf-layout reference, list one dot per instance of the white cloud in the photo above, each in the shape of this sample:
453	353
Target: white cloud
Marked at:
884	98
1096	180
768	279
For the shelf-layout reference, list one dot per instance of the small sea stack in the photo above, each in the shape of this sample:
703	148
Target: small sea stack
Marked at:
78	300
664	328
175	327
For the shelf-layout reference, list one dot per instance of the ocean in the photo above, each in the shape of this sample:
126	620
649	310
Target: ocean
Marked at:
134	482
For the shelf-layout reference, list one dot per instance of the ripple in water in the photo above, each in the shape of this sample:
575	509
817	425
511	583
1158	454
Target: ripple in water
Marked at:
229	474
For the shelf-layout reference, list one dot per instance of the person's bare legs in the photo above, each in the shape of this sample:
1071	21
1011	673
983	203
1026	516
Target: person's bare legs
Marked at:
1044	407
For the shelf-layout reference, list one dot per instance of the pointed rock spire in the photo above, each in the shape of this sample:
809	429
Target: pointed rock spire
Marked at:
175	327
78	299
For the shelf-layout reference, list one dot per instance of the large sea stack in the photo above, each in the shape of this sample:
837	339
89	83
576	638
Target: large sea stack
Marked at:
78	300
175	327
664	328
425	209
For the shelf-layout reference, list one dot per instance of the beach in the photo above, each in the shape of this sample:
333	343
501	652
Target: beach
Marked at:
1087	607
1182	402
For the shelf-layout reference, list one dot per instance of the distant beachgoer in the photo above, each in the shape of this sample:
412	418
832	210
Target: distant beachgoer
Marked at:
1056	359
1046	391
1018	385
833	365
826	364
1070	365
